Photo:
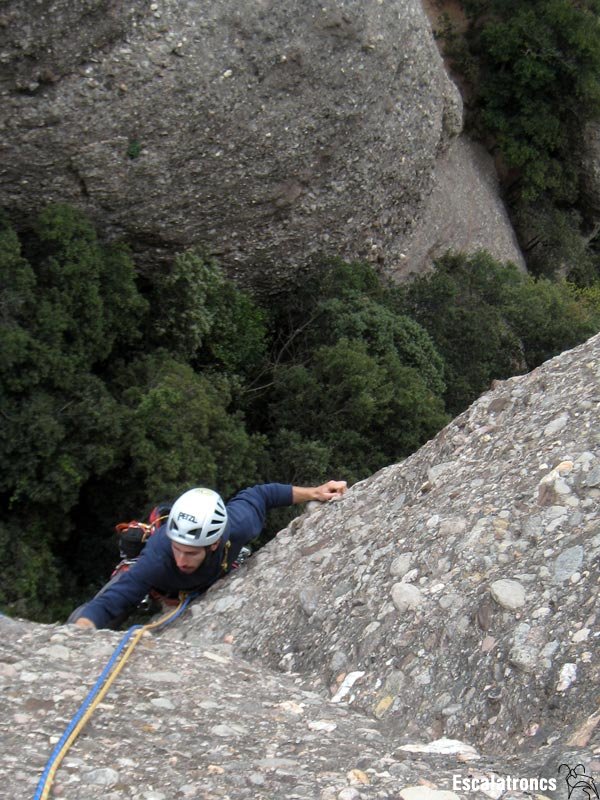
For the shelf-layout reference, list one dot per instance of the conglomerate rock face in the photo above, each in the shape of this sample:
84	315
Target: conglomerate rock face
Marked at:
464	212
267	131
460	586
435	630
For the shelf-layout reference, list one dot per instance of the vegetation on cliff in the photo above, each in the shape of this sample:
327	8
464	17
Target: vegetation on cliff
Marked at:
531	72
117	393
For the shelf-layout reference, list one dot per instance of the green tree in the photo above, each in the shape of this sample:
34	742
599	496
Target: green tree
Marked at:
350	300
356	412
551	316
180	296
530	71
359	317
180	432
98	421
539	81
489	321
204	319
355	384
342	375
60	304
238	341
460	306
552	240
31	581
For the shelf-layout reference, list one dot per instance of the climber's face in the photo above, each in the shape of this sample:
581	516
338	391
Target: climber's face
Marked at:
188	559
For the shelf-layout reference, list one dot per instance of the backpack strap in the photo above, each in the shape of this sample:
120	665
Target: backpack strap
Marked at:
134	534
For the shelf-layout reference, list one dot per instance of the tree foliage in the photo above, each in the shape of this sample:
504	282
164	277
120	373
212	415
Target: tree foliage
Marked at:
531	75
58	324
60	422
360	383
115	394
367	410
539	81
488	320
90	410
179	430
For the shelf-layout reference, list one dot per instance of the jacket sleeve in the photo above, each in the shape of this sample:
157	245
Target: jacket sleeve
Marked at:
120	596
247	511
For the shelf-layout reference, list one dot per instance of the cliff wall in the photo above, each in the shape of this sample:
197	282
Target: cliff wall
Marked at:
268	131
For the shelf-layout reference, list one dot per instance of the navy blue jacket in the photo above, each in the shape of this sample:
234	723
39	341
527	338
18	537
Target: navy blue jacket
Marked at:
156	568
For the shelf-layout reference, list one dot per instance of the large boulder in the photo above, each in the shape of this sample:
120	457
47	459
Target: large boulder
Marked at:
460	585
269	131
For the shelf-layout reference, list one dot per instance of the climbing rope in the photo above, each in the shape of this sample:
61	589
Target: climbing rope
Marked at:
99	691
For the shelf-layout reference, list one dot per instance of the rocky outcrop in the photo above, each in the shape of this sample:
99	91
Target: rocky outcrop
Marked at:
462	584
268	131
187	722
463	212
436	626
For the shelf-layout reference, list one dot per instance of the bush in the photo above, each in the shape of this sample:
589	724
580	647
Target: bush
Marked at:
343	375
355	380
539	81
180	433
59	326
489	321
531	78
99	422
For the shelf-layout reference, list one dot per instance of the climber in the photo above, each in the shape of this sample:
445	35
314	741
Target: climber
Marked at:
196	546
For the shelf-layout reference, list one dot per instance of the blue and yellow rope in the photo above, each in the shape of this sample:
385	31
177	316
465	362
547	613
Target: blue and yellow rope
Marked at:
98	692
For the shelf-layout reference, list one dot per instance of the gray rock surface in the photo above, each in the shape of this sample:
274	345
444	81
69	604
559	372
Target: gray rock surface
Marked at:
311	683
501	515
463	212
269	131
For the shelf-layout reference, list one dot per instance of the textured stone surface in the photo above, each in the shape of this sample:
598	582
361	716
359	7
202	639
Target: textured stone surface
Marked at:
499	531
270	131
314	685
463	212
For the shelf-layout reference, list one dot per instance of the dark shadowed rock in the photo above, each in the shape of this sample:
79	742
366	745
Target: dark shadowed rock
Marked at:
590	172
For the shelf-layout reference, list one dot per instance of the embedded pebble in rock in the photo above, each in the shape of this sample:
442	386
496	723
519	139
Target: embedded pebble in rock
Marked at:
401	565
309	600
443	746
509	594
442	616
567	676
102	777
568	563
406	597
525	652
556	425
426	793
346	686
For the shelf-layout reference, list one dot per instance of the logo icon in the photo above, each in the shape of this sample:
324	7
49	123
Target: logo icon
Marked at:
580	785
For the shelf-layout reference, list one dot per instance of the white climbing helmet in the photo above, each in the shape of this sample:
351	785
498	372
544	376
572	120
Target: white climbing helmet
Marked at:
197	518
